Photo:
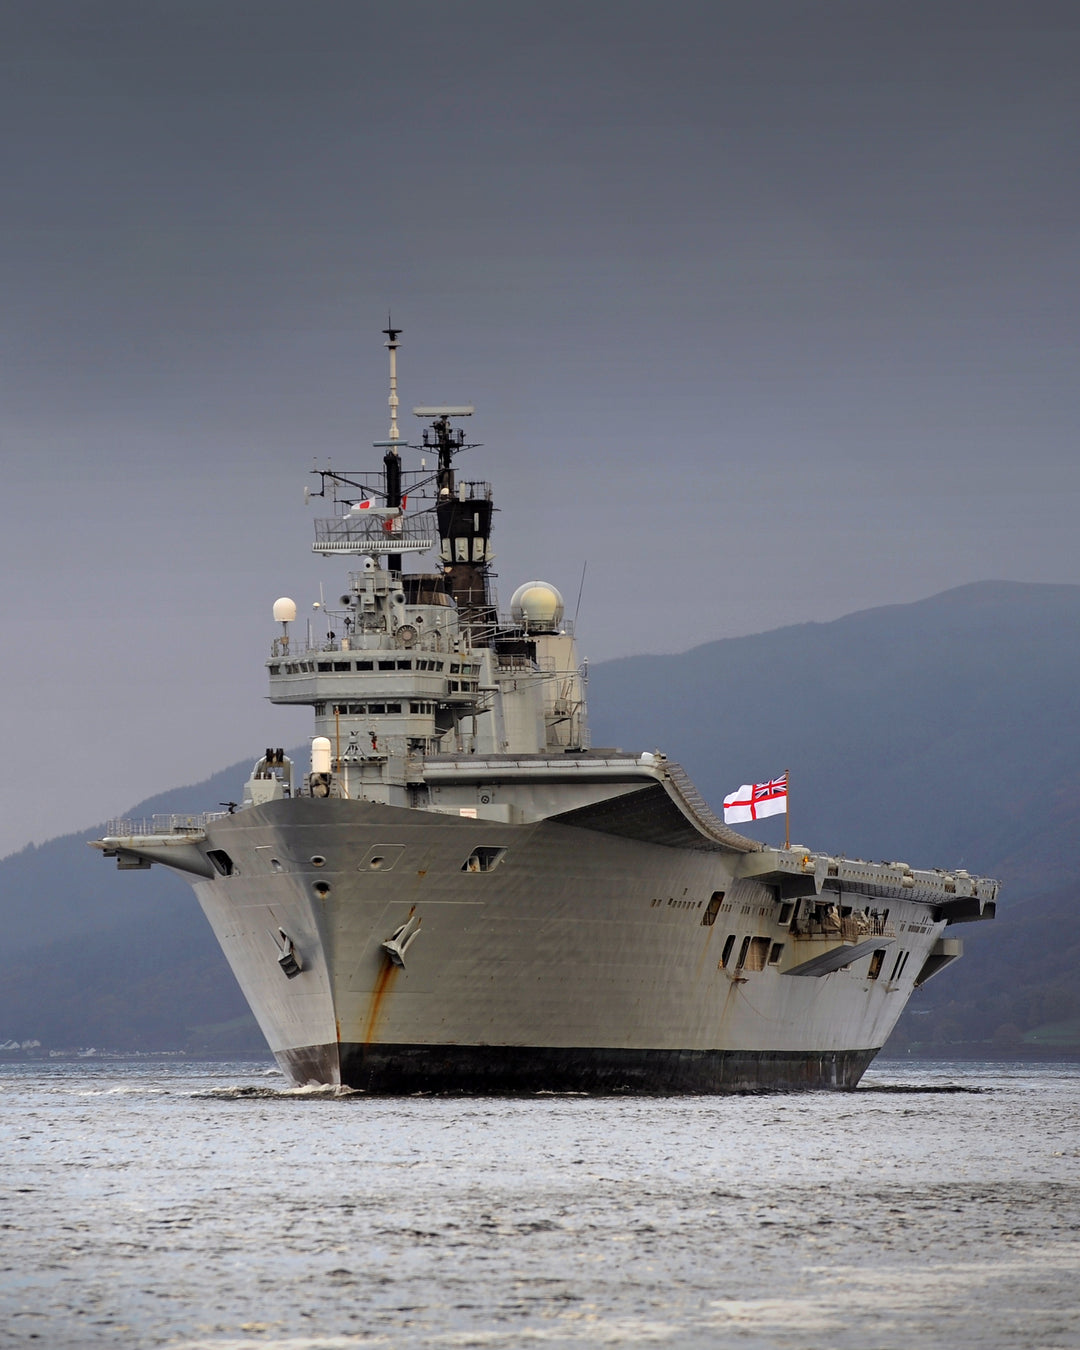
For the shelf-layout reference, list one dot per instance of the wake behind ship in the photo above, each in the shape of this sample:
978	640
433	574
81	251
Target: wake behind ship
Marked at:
461	894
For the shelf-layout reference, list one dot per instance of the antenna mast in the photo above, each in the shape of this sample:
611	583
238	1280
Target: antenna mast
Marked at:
392	460
392	343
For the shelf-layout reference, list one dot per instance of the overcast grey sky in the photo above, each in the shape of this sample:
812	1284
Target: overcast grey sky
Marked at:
769	311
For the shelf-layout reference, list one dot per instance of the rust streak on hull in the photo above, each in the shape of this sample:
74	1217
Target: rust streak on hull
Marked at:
383	985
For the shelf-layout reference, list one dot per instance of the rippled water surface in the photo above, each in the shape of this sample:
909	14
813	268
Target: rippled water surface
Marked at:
204	1206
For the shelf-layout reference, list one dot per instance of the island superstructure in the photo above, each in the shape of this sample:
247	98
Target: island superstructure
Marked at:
461	894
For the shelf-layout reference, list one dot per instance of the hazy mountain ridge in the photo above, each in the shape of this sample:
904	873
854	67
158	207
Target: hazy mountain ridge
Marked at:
942	732
1014	991
62	888
124	960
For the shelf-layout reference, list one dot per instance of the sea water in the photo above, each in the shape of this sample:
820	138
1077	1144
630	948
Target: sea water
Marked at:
184	1205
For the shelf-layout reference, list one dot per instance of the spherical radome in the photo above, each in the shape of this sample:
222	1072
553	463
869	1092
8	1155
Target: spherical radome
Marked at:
284	610
537	605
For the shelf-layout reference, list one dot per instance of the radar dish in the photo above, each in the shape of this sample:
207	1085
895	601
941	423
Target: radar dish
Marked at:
284	610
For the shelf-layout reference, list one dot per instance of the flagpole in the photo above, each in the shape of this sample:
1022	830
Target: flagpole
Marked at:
787	808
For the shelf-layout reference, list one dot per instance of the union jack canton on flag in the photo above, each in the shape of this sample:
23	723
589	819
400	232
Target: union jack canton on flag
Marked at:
755	800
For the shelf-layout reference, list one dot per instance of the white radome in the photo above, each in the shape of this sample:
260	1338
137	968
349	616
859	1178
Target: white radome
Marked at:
284	610
537	605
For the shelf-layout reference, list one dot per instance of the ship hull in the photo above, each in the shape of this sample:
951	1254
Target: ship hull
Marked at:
407	1069
580	962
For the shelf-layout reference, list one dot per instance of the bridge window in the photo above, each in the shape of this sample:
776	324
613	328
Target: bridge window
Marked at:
386	665
725	955
404	665
776	953
713	909
363	665
325	666
877	960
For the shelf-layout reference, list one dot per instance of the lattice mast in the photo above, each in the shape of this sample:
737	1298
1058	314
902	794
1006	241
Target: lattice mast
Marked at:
464	514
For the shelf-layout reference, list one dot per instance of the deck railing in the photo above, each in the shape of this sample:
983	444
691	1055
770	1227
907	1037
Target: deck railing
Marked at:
164	824
851	928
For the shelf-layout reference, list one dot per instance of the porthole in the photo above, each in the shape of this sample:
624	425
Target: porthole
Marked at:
322	889
375	863
275	865
318	860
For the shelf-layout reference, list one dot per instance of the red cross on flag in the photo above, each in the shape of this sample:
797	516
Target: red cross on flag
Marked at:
754	800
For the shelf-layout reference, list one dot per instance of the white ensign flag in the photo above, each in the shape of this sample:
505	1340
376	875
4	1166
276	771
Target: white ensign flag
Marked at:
754	800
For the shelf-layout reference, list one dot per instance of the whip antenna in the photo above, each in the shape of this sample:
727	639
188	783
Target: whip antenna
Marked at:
577	607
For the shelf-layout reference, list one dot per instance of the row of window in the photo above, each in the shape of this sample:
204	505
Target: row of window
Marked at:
877	960
758	952
899	965
342	667
373	709
754	954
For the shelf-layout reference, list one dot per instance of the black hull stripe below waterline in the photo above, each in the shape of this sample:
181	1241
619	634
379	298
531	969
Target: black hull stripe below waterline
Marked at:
402	1069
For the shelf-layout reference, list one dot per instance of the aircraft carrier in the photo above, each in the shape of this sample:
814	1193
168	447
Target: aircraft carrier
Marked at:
461	894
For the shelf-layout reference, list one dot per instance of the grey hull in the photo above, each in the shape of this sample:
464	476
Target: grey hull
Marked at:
375	955
397	1069
583	962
